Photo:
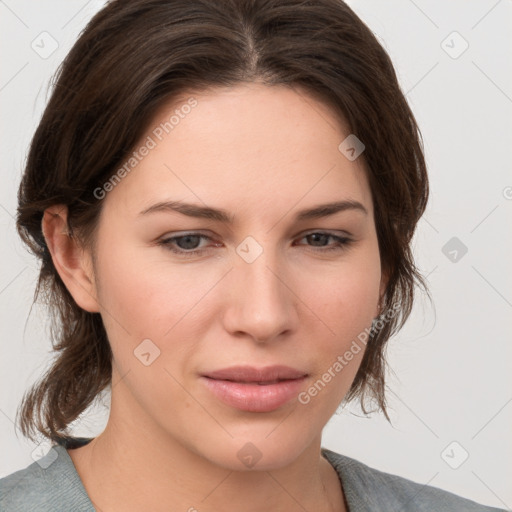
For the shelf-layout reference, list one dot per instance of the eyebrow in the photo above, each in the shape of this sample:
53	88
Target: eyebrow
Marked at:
219	215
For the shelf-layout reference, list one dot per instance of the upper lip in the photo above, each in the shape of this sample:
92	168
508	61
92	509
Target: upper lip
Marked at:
253	374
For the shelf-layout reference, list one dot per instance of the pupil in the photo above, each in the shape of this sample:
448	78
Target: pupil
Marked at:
187	243
318	237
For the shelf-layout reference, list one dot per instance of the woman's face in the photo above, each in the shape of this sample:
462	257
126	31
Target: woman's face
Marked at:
264	290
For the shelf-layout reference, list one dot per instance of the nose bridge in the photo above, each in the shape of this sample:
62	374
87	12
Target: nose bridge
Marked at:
261	305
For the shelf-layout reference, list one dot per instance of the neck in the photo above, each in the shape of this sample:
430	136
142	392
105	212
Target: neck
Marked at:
134	466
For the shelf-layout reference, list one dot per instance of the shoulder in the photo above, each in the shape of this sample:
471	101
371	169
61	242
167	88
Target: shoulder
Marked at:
49	484
369	489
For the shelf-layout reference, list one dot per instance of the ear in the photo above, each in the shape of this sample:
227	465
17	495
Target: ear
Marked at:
72	262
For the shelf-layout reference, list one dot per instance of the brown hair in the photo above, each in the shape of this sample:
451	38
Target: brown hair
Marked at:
136	55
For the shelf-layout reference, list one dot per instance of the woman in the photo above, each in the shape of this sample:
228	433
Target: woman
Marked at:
222	196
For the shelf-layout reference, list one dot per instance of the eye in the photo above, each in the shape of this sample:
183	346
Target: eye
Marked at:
320	239
188	245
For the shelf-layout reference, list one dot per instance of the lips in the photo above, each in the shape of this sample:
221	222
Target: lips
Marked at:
255	389
270	374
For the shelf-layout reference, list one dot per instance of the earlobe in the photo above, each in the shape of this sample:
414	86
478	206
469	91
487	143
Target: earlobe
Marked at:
71	260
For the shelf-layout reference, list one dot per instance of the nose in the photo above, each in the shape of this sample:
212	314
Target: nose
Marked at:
260	302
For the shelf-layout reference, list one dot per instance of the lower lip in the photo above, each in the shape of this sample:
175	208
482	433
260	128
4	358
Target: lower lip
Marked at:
255	397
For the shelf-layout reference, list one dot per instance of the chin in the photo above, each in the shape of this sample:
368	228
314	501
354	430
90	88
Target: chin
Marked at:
256	453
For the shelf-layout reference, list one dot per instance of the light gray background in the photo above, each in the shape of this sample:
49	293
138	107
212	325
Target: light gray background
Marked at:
452	362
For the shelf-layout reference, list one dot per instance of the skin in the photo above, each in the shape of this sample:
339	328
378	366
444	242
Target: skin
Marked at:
262	154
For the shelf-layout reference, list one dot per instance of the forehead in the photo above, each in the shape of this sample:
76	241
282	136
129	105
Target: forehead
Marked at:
250	147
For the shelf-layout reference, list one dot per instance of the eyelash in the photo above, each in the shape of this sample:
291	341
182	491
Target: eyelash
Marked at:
342	243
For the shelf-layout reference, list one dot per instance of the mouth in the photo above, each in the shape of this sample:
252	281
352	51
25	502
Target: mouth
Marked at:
250	374
255	389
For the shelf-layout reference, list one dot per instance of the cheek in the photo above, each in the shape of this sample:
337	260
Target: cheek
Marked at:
346	308
345	300
148	297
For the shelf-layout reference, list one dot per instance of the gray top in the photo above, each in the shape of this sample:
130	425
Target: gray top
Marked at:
52	484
